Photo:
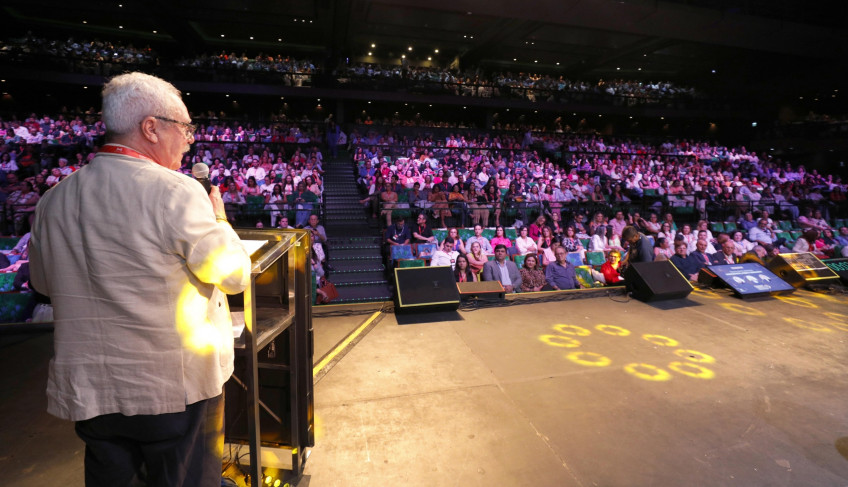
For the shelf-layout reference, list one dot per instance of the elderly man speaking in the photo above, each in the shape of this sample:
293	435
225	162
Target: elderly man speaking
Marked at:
136	259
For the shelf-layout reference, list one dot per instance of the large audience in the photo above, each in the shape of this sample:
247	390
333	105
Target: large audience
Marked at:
533	86
106	57
692	199
540	200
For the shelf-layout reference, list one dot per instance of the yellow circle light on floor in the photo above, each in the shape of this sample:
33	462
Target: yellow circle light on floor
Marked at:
560	341
808	325
745	310
613	330
797	301
692	370
662	341
572	330
647	372
589	359
693	356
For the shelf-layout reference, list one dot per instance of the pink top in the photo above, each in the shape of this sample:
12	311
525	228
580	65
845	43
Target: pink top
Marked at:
501	240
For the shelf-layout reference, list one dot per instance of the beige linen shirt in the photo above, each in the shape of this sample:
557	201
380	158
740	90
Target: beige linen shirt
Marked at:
137	266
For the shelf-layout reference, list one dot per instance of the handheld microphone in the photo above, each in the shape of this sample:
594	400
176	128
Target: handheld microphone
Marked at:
200	172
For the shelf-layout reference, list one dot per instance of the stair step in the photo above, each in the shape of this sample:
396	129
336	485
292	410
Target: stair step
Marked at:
355	246
336	242
368	293
384	282
354	278
357	266
348	254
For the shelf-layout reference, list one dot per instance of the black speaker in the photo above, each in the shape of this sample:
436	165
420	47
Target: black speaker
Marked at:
800	269
424	289
656	281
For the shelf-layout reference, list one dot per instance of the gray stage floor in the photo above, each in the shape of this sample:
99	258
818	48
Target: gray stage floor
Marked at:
592	392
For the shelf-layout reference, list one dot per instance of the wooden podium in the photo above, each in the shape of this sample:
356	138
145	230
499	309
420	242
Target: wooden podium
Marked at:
269	398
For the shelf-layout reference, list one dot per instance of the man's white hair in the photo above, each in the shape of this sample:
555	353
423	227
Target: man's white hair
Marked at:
128	98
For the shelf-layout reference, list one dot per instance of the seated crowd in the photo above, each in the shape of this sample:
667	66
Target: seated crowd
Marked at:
278	162
541	256
503	171
105	57
532	86
489	181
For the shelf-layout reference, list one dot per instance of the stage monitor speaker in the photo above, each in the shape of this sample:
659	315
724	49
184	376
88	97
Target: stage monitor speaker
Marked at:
802	268
656	281
747	280
485	290
425	289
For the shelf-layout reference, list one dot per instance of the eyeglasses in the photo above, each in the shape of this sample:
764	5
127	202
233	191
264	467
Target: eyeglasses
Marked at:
190	128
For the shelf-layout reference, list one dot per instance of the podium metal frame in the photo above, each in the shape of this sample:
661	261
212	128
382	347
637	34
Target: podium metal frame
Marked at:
278	301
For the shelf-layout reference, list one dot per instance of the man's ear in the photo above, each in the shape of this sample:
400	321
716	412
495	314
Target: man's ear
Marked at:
149	130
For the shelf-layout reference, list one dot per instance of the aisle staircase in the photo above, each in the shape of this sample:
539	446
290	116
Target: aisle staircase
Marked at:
354	241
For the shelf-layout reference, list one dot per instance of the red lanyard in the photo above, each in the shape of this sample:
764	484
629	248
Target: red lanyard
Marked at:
126	151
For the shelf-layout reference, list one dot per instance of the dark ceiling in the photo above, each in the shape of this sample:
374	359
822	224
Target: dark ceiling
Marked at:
782	46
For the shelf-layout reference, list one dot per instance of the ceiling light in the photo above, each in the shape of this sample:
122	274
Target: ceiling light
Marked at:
120	26
373	46
515	59
251	38
409	48
535	60
429	58
437	51
222	35
84	21
155	32
369	53
471	37
557	64
279	39
403	56
618	69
